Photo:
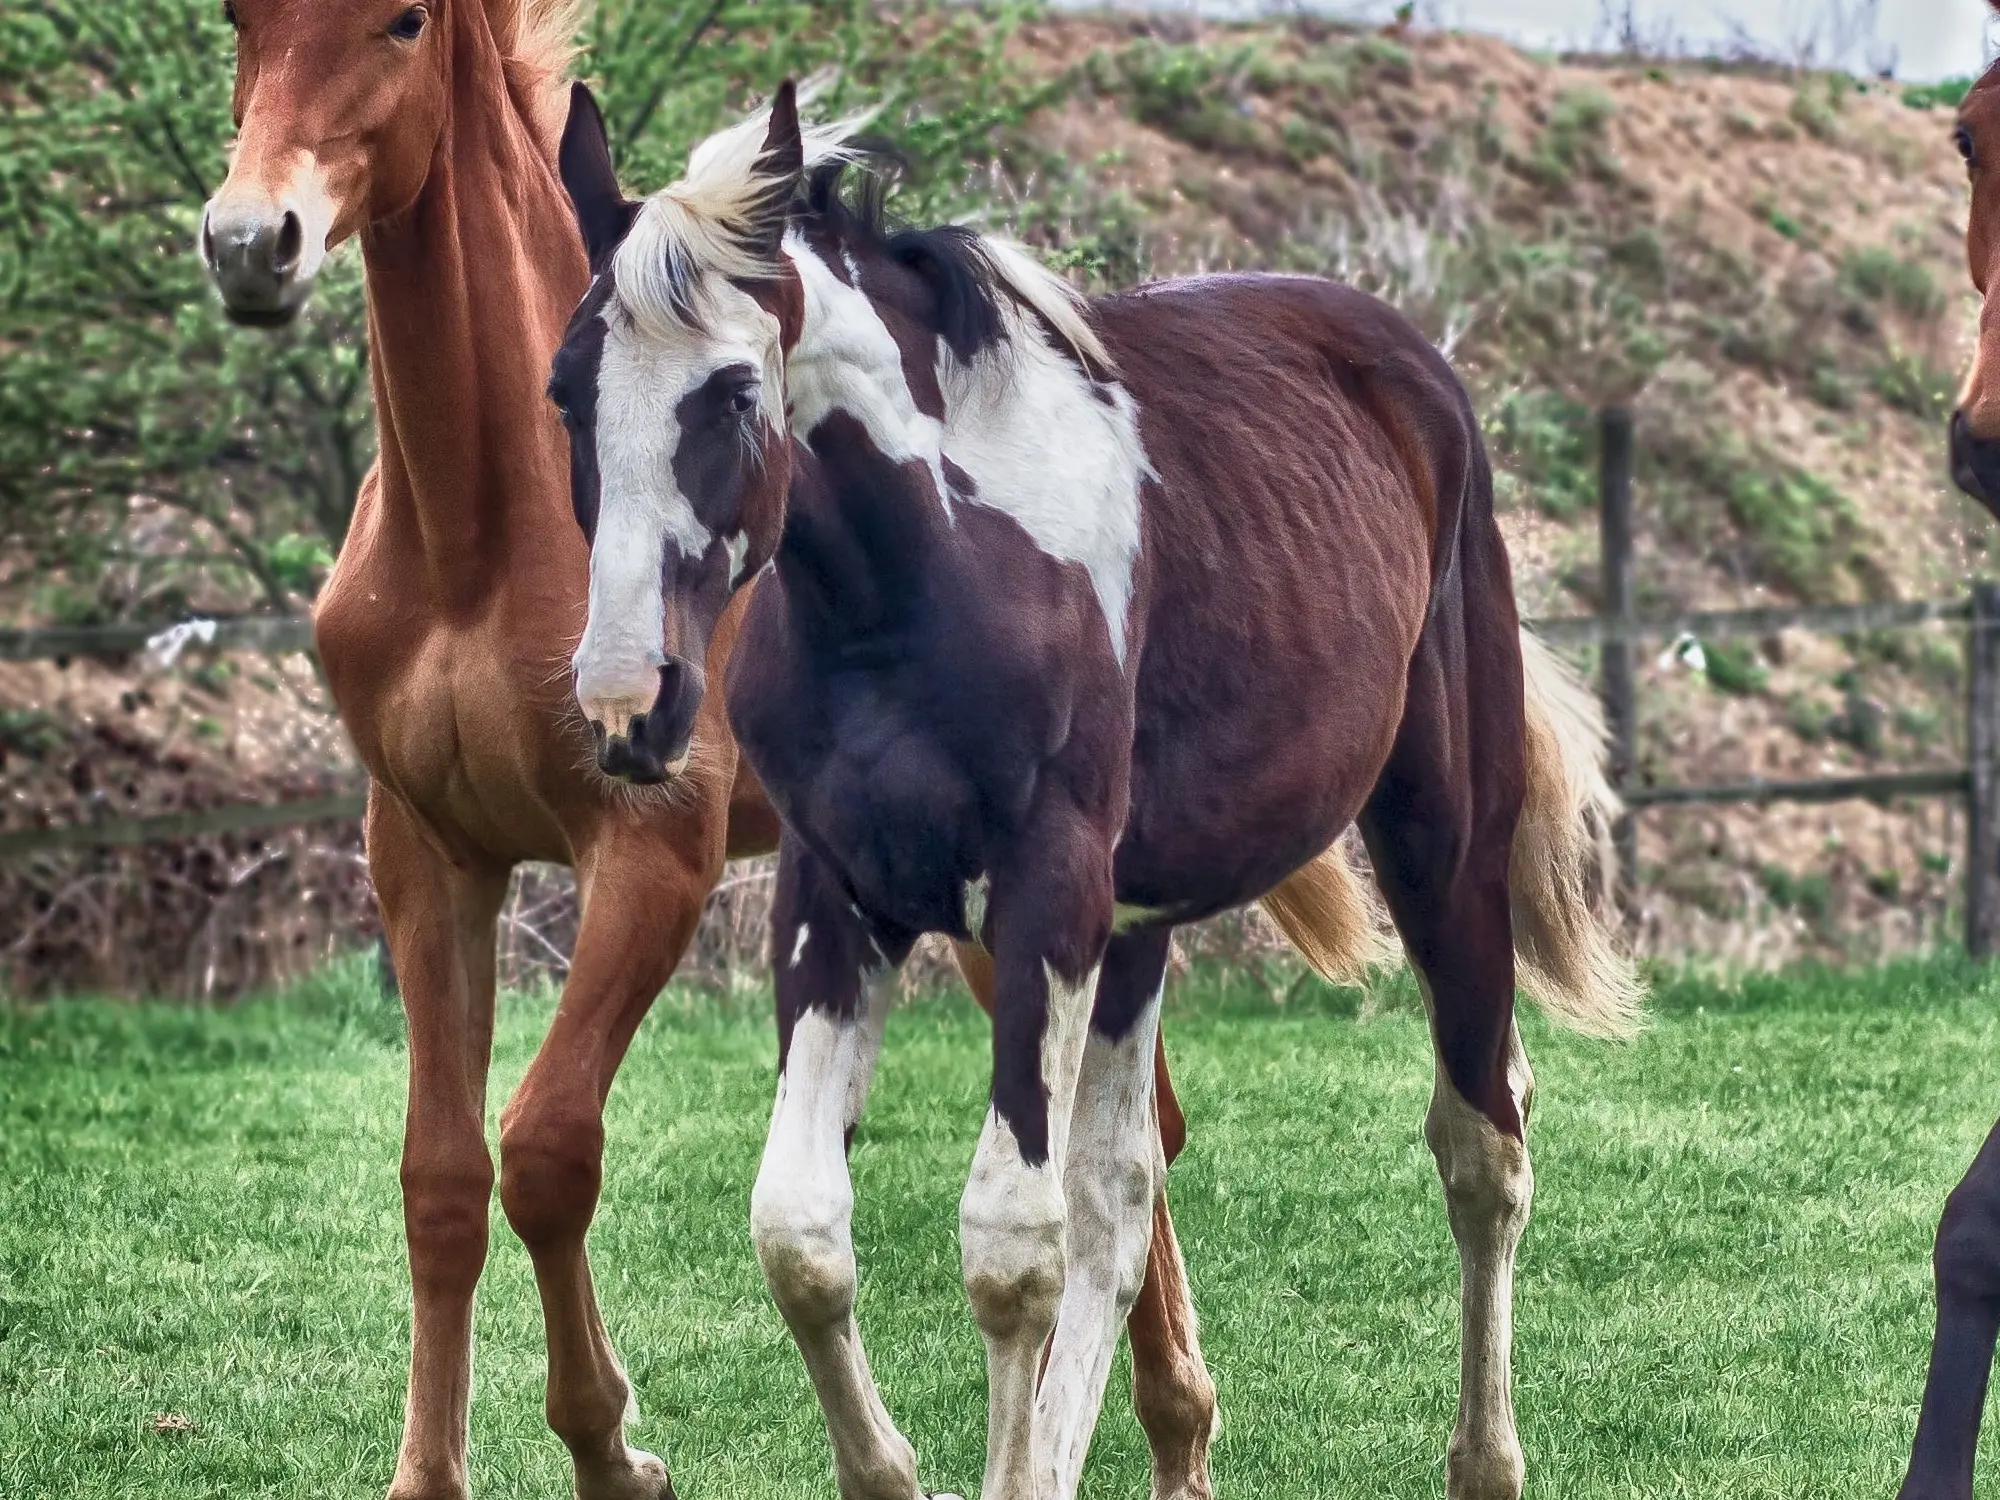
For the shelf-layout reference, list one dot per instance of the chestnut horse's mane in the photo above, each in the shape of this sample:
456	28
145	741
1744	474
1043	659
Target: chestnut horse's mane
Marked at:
538	42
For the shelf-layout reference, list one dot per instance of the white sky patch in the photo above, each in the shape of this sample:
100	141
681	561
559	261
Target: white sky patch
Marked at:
1929	39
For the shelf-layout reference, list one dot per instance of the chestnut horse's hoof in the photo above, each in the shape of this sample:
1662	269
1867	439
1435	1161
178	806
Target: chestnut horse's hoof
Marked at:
640	1477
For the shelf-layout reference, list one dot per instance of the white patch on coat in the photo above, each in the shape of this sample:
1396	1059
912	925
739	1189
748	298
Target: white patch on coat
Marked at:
847	360
646	370
799	943
1011	1233
1114	1172
1044	448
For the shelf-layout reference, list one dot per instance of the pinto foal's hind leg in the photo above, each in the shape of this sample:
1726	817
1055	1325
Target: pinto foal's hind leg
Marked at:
639	911
440	926
833	988
1439	829
1967	1266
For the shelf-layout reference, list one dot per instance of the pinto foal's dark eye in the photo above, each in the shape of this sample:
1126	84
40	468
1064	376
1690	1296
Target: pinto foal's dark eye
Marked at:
1962	138
742	401
410	24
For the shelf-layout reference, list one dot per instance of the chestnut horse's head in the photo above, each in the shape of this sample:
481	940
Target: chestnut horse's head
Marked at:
340	106
671	383
1975	426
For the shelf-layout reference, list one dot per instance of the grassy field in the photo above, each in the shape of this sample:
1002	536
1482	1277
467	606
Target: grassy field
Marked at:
1724	1291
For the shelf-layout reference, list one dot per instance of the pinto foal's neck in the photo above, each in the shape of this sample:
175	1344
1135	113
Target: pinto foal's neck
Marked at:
468	294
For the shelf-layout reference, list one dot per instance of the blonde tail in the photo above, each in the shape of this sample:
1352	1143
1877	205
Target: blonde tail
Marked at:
1326	915
1567	954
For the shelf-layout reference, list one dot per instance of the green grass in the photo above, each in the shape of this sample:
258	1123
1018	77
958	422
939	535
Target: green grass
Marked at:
1724	1290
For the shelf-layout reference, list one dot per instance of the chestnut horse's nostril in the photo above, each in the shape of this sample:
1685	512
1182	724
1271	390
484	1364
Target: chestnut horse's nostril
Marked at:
291	241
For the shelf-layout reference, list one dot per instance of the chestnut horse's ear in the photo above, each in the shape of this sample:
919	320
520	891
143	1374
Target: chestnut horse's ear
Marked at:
603	213
782	163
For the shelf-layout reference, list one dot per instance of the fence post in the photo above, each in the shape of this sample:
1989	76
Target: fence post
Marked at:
1982	763
1615	602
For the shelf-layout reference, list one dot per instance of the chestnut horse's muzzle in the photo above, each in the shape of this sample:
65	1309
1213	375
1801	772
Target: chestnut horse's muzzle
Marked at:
261	259
652	747
1975	463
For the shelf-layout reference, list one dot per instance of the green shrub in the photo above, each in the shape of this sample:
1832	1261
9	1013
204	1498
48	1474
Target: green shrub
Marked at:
1735	668
1948	93
1877	274
1910	383
1546	440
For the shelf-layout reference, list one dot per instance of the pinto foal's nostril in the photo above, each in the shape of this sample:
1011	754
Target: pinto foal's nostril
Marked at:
291	241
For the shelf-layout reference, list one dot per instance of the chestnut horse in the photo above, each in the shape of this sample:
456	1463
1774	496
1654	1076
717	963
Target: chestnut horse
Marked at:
1079	621
430	131
1966	1259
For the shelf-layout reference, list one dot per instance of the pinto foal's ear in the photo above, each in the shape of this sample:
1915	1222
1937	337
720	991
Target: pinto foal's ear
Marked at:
603	213
781	163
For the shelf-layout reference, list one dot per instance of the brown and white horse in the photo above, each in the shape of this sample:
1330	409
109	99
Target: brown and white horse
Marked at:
430	131
1078	622
1966	1260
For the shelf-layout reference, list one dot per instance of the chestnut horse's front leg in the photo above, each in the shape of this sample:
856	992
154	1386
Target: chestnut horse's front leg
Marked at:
440	921
1967	1264
642	897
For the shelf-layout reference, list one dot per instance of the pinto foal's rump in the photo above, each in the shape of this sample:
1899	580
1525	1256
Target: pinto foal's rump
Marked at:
1082	621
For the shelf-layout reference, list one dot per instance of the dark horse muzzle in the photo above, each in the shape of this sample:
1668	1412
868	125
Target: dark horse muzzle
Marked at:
1975	463
652	747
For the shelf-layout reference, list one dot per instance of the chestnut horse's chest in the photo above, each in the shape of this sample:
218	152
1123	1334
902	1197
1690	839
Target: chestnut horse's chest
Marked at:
458	718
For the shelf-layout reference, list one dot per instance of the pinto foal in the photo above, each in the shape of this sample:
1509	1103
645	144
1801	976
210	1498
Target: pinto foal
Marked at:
1077	622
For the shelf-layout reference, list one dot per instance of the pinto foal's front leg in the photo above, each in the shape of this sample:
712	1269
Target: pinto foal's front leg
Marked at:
1049	941
833	987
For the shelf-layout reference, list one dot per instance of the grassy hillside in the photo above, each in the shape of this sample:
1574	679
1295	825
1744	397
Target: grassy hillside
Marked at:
1767	266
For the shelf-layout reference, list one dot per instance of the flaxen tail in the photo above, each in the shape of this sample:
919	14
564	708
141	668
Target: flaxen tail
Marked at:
1562	874
1329	918
1563	869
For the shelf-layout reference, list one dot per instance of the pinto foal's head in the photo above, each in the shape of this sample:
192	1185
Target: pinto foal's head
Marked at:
1975	425
340	109
671	382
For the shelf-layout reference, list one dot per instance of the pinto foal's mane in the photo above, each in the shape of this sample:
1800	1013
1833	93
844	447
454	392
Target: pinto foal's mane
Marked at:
706	225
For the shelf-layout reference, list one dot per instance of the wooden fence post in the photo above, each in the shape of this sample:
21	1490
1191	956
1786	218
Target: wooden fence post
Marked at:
1982	764
1615	602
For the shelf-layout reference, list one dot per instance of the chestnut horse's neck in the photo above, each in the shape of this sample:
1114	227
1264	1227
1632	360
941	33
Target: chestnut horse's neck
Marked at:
468	294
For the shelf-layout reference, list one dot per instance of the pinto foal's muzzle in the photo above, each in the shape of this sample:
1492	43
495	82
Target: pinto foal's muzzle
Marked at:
651	747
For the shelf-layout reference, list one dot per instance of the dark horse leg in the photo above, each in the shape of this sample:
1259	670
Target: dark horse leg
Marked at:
1439	828
1967	1265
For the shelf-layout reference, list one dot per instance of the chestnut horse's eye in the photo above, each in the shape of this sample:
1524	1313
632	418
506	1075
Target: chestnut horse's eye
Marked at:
1962	138
410	24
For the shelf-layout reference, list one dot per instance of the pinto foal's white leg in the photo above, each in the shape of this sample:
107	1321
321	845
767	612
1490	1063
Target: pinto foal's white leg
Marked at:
1113	1175
1488	1186
1012	1224
801	1213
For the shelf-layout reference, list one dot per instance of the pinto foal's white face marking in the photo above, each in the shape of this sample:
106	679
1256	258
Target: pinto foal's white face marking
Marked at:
645	371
